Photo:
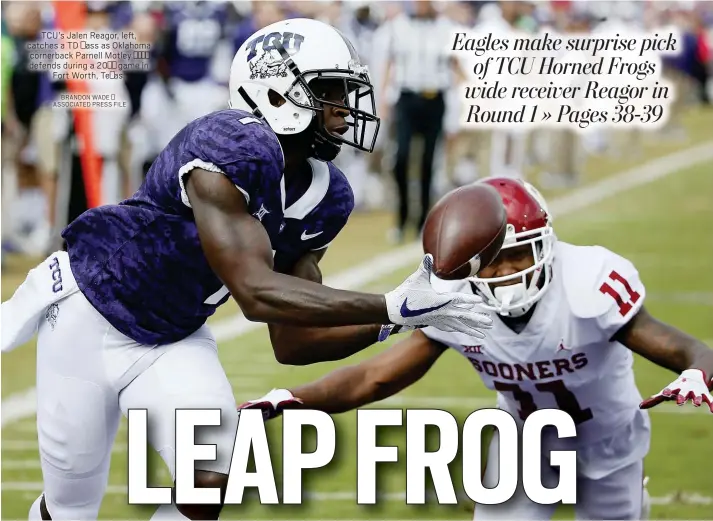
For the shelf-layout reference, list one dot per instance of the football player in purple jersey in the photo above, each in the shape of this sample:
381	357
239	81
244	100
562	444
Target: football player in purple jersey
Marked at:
241	202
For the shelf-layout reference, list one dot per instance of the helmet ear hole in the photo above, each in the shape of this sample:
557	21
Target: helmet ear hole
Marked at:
275	99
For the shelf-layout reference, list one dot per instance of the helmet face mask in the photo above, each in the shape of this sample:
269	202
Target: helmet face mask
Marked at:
291	58
515	294
362	112
529	224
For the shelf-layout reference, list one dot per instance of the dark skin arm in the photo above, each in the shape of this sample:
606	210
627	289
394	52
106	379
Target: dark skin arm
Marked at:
665	345
309	345
238	250
373	380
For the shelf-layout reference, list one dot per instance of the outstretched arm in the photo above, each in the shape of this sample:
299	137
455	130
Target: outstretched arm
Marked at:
296	345
665	345
670	348
373	380
238	249
350	387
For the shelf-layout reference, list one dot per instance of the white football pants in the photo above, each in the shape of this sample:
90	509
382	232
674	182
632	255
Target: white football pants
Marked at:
88	374
619	494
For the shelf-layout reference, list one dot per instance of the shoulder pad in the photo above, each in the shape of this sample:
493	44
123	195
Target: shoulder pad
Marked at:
593	278
234	135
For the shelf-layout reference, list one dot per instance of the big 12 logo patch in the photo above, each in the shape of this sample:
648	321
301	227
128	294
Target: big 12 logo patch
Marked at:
290	41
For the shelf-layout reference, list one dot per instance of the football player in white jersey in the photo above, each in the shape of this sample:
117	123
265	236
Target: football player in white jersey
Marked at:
570	317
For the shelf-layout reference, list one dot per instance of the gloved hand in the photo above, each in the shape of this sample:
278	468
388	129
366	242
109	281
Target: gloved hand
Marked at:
416	303
691	385
273	403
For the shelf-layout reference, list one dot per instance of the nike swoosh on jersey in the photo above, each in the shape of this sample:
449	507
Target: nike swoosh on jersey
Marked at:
406	312
307	236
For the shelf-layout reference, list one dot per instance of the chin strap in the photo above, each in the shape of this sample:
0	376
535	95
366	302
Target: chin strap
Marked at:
507	294
323	148
250	102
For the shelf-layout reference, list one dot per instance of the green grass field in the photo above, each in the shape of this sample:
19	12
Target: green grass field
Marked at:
663	227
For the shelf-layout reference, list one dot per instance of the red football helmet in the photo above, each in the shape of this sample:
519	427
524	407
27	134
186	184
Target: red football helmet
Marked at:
528	222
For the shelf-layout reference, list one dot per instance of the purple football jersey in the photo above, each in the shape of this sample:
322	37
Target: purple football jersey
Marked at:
314	214
121	14
140	263
193	32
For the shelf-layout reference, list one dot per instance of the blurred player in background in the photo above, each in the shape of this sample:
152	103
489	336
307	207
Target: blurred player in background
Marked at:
260	15
61	148
360	28
106	18
507	147
22	195
569	318
241	202
186	71
184	88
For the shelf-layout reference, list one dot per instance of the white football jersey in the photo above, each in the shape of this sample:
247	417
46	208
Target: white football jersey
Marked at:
564	358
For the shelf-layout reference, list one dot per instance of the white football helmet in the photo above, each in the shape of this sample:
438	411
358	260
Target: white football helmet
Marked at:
285	57
528	222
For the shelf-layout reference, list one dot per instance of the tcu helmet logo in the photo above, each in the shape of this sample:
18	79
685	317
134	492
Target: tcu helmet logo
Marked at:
266	66
290	41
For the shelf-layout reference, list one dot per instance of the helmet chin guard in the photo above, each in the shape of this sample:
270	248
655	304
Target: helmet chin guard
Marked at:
528	223
517	298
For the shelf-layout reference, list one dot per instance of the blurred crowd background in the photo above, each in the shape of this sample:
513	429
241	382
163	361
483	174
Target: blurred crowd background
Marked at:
194	42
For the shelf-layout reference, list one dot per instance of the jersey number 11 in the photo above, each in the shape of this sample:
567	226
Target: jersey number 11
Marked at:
625	304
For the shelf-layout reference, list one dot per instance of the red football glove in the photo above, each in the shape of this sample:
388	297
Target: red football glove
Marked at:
691	385
273	403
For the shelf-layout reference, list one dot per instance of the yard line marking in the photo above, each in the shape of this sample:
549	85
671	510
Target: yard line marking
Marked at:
19	464
449	402
24	404
694	298
474	403
683	498
31	445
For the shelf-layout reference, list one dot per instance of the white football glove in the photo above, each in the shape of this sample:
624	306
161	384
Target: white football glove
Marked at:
691	385
273	403
415	303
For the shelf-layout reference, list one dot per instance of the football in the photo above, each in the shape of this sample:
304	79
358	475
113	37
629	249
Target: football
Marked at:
465	231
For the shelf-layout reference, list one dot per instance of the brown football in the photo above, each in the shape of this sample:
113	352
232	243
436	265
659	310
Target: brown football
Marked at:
465	231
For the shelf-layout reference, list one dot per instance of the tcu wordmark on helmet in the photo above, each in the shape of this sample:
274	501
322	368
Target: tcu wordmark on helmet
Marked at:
286	58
